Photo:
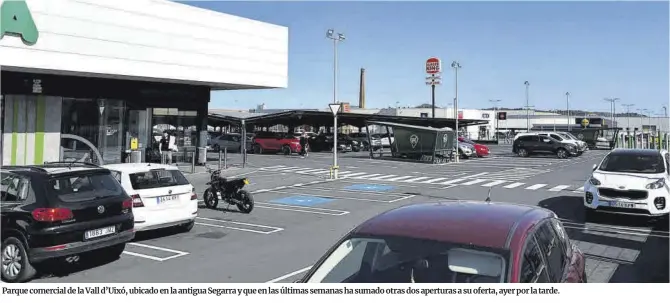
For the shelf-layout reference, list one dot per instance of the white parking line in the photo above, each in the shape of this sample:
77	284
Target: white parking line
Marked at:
291	274
475	175
581	189
350	191
416	179
451	181
366	176
272	229
176	253
301	209
403	198
382	178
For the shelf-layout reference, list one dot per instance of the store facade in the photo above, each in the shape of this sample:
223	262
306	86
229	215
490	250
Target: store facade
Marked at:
115	75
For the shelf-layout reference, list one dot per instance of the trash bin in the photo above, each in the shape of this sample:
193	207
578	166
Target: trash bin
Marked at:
136	156
202	155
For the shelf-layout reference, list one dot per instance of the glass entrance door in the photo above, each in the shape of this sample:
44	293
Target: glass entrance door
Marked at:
111	132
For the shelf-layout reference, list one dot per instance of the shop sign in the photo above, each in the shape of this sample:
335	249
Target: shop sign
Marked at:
16	20
485	116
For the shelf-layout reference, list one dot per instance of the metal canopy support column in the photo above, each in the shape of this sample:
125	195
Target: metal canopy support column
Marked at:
367	131
244	143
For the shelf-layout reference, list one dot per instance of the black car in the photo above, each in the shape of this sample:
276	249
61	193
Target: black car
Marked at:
539	144
324	142
59	211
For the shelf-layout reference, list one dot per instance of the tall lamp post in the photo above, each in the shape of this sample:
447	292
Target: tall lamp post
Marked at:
628	106
567	105
612	108
456	66
527	84
337	38
495	116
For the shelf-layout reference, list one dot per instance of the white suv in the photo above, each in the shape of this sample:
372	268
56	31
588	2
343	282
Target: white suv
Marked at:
630	181
162	196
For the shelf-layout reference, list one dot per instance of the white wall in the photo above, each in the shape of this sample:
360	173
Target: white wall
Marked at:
150	39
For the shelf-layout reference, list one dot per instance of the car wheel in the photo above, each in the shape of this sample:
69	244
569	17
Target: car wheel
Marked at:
522	152
16	267
286	150
562	153
216	148
186	227
258	149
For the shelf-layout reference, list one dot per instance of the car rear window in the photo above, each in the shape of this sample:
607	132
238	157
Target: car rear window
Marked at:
85	187
157	178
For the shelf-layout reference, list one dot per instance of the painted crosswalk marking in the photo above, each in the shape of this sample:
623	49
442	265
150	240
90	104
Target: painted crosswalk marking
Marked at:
536	186
416	179
494	183
473	182
505	179
433	180
559	188
514	185
367	176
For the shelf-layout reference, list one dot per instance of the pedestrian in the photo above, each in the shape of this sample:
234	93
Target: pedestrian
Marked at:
303	144
164	148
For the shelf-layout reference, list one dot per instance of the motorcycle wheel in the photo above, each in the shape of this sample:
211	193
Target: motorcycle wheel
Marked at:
211	200
246	201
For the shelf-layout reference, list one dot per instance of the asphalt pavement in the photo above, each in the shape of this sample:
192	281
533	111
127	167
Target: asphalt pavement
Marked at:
299	214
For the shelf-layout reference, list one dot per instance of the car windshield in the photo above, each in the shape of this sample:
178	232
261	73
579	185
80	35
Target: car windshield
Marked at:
466	140
85	187
643	164
408	260
157	178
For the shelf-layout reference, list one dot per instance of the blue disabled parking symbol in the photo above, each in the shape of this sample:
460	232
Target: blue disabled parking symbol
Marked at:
302	200
370	187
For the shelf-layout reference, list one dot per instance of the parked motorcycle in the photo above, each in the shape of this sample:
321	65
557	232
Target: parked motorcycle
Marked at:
228	190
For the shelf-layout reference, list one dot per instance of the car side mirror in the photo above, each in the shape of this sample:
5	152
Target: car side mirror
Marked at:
595	166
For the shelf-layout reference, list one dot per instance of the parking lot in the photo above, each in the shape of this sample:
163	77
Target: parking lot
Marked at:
299	214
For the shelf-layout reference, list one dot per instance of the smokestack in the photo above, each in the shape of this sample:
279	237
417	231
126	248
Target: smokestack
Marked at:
361	90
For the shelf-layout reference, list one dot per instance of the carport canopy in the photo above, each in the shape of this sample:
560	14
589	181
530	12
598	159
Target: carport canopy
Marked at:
324	118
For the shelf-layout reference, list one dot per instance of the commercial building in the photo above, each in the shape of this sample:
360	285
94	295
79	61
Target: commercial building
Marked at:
115	75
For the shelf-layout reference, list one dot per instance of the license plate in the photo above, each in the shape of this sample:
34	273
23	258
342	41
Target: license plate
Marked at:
90	234
164	199
620	204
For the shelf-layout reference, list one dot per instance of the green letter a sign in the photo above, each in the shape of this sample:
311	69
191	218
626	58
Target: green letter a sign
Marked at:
15	20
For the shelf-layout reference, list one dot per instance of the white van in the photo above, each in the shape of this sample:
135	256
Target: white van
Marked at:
162	196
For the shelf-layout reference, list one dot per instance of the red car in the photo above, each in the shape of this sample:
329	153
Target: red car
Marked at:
480	149
275	142
454	242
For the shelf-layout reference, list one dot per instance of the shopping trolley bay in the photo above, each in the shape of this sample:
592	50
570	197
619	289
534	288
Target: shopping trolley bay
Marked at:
300	213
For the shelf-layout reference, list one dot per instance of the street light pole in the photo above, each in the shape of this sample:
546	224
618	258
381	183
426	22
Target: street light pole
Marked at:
336	37
567	105
495	116
612	108
456	66
628	106
527	84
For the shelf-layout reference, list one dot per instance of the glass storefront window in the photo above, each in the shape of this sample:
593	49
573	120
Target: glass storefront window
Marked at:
180	124
99	122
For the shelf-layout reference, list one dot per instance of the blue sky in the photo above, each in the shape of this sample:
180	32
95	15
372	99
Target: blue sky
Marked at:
592	49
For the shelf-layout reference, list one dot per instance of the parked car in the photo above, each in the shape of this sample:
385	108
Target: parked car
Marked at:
581	145
539	144
465	150
231	142
161	195
561	137
60	211
324	142
276	142
386	139
481	150
363	137
630	181
454	242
